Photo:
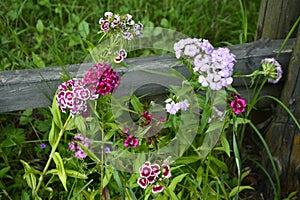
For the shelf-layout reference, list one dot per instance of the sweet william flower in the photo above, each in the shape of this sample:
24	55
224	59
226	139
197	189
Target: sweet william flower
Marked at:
272	69
130	141
238	105
157	188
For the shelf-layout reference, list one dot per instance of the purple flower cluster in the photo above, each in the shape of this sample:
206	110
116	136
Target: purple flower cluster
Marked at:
75	147
214	66
149	174
272	69
101	79
121	24
173	107
73	95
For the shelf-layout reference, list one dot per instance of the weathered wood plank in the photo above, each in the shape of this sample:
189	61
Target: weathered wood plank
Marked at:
32	88
276	18
283	136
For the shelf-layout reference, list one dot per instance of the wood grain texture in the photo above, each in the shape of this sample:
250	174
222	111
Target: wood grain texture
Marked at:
34	88
276	18
283	134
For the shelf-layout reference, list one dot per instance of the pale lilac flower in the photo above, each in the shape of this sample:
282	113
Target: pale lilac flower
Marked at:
172	108
106	149
184	105
272	69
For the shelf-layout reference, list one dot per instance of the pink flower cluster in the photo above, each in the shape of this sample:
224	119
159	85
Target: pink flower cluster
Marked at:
73	95
238	104
149	174
121	24
101	79
213	66
75	147
173	107
272	69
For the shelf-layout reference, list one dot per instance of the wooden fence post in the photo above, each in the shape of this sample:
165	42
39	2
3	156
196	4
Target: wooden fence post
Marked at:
283	135
276	18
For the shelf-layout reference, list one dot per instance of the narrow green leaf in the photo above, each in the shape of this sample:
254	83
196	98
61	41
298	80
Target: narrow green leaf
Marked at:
238	189
69	172
89	153
30	178
38	61
175	181
136	104
225	144
3	171
119	183
55	111
61	169
53	134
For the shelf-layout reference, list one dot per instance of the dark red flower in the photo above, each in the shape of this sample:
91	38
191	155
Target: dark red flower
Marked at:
157	188
143	182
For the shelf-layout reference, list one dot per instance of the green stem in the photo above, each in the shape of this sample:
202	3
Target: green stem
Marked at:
51	154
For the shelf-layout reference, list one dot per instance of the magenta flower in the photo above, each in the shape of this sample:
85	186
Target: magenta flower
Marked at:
101	79
238	105
146	118
130	141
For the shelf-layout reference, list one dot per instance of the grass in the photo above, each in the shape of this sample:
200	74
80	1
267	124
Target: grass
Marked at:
56	33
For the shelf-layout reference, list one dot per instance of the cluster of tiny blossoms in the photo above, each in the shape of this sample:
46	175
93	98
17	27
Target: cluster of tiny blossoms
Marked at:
101	79
74	94
272	69
75	147
173	107
123	24
149	174
213	66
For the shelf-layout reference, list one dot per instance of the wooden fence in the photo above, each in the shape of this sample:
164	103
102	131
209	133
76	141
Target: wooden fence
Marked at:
34	88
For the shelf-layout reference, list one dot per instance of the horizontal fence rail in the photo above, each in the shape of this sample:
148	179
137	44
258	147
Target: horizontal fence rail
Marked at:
35	88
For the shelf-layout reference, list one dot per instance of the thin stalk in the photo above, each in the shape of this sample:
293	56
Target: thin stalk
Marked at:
277	193
51	154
